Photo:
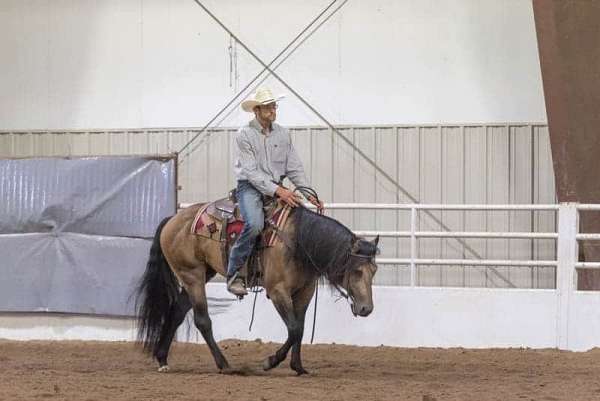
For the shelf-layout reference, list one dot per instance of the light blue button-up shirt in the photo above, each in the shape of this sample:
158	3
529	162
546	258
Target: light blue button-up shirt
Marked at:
262	158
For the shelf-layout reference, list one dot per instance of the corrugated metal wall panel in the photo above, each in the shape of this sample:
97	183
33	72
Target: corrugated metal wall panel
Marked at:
430	186
409	156
521	185
544	192
498	191
475	172
386	156
342	176
6	145
452	154
435	164
364	180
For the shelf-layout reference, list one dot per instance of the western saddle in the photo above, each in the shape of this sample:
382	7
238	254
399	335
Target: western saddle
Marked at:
221	221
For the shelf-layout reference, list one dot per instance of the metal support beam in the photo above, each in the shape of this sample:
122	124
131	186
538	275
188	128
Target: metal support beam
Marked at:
567	33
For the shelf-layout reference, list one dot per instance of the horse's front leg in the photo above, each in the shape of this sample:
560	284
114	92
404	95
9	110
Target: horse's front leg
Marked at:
282	301
301	301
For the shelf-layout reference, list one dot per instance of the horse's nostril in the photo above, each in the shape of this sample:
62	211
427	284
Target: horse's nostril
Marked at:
365	310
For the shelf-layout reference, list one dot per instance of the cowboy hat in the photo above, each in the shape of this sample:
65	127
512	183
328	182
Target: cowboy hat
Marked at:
261	97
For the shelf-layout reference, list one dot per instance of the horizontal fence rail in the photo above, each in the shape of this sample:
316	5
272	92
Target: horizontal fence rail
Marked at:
468	262
408	206
461	234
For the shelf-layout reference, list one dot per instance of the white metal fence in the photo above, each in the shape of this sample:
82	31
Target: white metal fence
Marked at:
413	260
566	237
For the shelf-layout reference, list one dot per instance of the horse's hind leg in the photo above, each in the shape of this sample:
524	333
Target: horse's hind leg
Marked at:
176	316
194	282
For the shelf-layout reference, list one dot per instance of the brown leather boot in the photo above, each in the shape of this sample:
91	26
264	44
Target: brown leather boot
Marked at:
236	286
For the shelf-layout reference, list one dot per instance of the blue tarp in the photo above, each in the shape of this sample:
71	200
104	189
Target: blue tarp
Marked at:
75	232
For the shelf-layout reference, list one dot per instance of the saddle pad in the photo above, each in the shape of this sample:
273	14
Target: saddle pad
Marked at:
206	226
278	219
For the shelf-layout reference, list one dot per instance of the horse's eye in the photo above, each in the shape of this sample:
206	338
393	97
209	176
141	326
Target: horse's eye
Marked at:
357	274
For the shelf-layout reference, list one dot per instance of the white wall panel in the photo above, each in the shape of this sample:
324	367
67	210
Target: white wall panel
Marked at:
153	63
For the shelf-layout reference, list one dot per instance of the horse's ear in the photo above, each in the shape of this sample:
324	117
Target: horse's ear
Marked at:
376	240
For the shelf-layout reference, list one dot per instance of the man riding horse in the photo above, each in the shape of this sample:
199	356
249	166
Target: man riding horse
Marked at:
310	246
264	153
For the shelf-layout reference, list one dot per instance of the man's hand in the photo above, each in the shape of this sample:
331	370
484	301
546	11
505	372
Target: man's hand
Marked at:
318	204
288	196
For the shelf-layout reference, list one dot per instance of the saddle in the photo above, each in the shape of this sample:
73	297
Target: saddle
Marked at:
222	221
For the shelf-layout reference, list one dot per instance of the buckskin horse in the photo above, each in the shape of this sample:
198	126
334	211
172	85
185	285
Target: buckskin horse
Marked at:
312	246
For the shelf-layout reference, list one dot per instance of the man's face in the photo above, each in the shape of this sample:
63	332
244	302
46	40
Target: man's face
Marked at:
267	112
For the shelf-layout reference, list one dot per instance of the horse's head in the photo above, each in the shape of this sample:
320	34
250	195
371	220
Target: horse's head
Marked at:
358	279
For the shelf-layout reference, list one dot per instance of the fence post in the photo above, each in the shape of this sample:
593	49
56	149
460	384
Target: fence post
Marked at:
566	257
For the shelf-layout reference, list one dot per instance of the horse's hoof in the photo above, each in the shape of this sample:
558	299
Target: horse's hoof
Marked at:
299	370
163	369
268	363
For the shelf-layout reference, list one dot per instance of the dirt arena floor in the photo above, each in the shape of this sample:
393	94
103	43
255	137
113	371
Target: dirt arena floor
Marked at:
95	371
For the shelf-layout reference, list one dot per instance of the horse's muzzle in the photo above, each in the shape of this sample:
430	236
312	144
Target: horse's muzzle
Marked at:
361	310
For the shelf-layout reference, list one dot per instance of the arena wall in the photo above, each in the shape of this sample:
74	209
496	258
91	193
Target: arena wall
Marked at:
405	317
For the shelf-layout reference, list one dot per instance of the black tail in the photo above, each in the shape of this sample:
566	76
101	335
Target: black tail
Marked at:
155	295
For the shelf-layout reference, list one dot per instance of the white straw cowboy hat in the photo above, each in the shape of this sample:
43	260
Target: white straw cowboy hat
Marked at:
261	97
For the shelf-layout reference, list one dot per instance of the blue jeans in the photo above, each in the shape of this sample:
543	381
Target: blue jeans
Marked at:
251	208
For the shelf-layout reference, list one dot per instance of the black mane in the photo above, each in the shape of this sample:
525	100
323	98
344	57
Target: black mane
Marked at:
324	242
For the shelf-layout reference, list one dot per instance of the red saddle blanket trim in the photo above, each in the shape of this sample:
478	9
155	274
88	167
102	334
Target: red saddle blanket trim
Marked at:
235	228
198	220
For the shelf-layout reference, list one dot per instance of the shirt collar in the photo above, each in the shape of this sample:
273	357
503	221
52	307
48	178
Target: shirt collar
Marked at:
256	125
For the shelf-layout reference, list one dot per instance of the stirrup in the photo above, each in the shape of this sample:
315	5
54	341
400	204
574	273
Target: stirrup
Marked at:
236	286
